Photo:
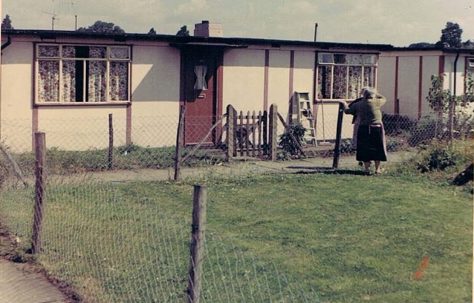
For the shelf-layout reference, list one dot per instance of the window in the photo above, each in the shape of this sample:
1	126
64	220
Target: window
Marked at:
342	76
469	80
79	73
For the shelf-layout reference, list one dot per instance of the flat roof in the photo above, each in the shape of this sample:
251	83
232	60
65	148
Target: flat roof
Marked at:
193	40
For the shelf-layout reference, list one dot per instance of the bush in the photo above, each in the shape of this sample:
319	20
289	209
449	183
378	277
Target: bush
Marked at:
438	157
286	141
395	124
424	130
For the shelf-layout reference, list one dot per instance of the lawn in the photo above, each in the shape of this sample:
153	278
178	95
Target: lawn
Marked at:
280	238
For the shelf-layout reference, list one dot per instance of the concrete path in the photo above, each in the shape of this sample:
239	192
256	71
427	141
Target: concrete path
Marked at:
20	286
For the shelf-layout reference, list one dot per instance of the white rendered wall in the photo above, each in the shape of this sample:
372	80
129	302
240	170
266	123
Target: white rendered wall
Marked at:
244	73
386	81
16	99
408	83
278	81
155	95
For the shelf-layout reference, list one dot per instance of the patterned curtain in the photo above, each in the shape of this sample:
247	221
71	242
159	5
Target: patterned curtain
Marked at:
48	81
69	74
369	76
355	82
118	83
340	82
324	82
97	81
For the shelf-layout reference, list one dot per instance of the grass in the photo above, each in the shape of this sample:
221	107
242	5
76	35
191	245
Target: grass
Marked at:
124	157
283	238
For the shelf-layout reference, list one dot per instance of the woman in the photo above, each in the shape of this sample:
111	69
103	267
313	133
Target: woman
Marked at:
370	133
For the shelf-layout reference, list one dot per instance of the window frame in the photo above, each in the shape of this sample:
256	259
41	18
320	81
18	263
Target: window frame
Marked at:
61	59
332	64
469	72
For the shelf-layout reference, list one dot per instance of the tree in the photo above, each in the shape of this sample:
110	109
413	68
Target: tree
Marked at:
468	44
421	45
102	27
450	36
7	23
152	31
183	31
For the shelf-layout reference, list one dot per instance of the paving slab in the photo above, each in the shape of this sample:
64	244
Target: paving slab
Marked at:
20	286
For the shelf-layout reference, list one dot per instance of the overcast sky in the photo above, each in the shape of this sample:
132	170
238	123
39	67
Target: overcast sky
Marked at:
396	22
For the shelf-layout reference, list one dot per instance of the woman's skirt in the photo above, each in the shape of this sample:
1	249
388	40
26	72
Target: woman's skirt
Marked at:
371	144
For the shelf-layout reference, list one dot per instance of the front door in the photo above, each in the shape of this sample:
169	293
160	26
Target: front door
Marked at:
200	98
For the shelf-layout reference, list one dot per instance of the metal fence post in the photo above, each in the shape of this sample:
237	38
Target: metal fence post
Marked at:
337	145
110	158
40	160
179	142
198	228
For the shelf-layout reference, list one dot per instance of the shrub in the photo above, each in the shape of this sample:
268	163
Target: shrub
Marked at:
394	124
424	130
286	141
438	157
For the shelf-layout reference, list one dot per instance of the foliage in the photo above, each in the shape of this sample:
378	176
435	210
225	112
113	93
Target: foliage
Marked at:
438	98
438	157
152	31
421	45
183	31
7	23
451	35
424	130
287	142
102	27
468	44
394	124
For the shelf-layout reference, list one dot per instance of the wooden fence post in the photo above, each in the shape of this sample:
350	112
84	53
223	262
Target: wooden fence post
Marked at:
110	158
198	228
230	140
179	142
273	131
337	145
40	160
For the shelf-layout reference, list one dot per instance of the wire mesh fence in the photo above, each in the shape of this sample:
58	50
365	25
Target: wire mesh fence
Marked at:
114	241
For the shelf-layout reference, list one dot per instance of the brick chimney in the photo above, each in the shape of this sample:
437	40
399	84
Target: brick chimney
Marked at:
206	29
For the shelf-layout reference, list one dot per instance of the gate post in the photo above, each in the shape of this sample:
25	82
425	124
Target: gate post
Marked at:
273	131
230	140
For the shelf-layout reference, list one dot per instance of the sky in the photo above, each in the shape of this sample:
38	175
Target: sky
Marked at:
396	22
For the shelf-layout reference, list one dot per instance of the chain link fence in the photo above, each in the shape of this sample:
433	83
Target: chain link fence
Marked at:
115	239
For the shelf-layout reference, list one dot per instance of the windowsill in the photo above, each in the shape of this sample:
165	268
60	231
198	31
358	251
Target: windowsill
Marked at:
79	104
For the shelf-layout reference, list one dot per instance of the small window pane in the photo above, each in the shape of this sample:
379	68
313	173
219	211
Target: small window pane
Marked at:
97	52
340	59
119	53
69	51
325	58
470	63
369	59
118	83
324	82
48	81
48	51
340	82
354	59
97	81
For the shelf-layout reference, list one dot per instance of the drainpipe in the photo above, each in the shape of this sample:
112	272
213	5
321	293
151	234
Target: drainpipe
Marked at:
452	103
6	44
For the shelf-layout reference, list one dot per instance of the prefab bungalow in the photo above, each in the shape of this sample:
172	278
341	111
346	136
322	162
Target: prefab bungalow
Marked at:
66	83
